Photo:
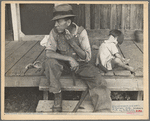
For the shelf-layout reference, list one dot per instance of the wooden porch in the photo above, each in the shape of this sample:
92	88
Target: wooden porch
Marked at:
19	54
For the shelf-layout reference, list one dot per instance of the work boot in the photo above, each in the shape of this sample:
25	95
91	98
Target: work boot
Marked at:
57	102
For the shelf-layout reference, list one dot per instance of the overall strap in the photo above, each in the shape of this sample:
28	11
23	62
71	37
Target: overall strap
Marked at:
80	29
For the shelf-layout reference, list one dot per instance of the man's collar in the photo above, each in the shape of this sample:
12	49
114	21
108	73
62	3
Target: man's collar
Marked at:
75	33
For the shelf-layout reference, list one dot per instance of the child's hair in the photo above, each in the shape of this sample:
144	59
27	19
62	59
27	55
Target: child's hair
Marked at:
117	33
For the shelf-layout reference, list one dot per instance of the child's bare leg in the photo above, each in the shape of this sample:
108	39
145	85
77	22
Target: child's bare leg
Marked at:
120	63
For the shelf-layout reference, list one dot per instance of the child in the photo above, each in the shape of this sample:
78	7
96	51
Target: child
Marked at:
108	55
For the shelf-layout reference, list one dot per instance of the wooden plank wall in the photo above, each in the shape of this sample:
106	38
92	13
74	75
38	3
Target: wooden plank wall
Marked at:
115	16
35	19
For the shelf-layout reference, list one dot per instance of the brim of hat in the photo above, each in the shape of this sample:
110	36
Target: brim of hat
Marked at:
62	16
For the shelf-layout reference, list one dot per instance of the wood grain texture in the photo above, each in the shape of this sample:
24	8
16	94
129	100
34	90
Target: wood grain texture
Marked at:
139	17
81	19
133	53
34	81
122	73
17	55
140	95
87	16
118	16
7	42
139	46
86	106
30	57
75	8
15	21
33	71
92	16
133	19
123	18
45	95
93	34
113	17
105	13
32	37
12	47
97	17
127	12
114	84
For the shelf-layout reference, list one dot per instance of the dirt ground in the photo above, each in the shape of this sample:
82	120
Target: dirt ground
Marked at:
26	99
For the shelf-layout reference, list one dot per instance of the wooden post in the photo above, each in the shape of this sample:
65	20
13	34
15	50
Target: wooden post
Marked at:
21	34
45	95
87	16
140	95
15	13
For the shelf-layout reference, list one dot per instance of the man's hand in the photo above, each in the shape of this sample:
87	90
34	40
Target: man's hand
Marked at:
74	64
69	37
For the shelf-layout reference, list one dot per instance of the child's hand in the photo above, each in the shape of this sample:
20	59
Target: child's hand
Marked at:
126	61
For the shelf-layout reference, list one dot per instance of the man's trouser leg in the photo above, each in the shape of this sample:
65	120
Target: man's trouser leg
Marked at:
98	90
53	71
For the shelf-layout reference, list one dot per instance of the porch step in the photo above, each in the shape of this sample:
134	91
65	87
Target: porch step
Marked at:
113	83
45	106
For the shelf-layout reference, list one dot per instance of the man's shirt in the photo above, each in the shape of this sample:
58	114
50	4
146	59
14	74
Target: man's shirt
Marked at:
50	42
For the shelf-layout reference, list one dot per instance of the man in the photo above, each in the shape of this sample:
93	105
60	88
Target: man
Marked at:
68	46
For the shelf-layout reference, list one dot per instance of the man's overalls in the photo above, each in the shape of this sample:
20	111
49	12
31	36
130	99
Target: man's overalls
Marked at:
97	85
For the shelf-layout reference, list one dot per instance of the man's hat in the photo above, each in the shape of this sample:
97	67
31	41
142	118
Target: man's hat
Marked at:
62	11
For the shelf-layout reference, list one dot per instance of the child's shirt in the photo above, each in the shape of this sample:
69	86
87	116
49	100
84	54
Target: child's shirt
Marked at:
106	52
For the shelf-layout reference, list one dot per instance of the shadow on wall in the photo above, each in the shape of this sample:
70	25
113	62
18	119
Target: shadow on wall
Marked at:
9	35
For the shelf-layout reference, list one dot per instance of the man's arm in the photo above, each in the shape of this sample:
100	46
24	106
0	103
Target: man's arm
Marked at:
77	49
73	63
82	51
55	55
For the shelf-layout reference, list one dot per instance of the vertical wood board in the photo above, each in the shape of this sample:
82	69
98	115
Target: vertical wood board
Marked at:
81	17
87	16
118	16
97	16
92	12
113	16
105	13
127	10
15	21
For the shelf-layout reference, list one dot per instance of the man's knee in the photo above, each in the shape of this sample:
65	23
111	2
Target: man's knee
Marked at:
53	64
100	81
50	62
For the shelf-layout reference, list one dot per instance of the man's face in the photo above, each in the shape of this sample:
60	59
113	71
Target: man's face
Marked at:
61	25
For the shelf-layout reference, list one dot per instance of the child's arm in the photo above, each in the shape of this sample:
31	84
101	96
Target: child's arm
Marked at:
117	55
